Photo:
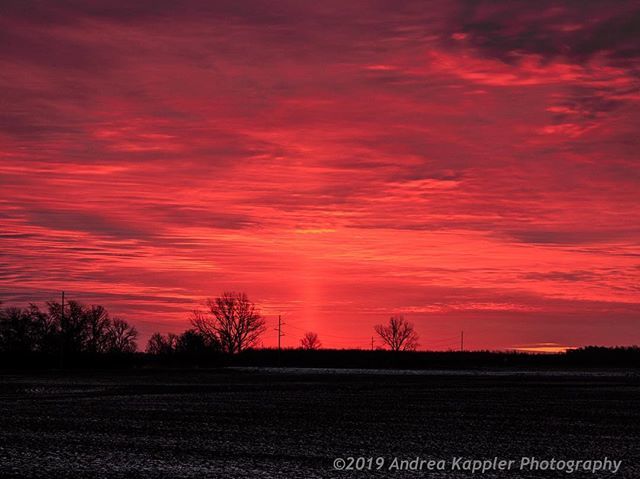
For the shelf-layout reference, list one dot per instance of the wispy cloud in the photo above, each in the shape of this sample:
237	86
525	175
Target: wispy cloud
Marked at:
472	165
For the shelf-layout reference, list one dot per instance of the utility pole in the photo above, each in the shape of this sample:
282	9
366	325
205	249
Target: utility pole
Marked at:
280	334
461	340
371	343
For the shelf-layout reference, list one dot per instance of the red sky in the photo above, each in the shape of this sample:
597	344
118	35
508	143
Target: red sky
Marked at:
470	165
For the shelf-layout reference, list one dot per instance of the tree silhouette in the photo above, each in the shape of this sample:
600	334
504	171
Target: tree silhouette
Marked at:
17	332
71	326
45	330
310	341
398	334
69	331
120	337
160	344
232	321
98	326
192	342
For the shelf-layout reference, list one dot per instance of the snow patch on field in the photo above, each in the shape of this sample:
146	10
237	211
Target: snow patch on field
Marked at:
432	372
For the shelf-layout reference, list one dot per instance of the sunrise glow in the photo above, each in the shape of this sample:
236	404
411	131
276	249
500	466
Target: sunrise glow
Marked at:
470	168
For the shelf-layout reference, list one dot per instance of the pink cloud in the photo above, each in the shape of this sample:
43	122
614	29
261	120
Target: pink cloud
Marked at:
469	168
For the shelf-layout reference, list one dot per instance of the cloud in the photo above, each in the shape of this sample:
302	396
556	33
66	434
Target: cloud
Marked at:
566	276
553	30
458	161
86	221
573	237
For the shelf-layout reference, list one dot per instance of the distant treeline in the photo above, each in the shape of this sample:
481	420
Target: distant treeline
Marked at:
591	357
588	357
77	336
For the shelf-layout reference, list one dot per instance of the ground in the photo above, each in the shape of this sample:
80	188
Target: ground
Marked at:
295	423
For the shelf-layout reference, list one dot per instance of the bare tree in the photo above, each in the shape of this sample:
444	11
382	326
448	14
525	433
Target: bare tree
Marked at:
398	334
70	325
162	344
76	329
16	330
44	328
310	341
121	337
232	321
98	324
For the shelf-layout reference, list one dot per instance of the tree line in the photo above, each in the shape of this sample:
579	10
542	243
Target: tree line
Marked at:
228	333
230	324
64	329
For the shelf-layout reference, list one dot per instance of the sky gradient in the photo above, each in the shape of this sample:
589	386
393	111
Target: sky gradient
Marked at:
471	165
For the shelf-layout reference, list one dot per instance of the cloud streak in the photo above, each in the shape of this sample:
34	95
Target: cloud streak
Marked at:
472	165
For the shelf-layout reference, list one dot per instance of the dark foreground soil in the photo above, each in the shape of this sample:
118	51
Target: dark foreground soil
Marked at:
293	424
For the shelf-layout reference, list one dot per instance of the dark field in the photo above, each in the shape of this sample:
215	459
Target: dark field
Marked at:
218	424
